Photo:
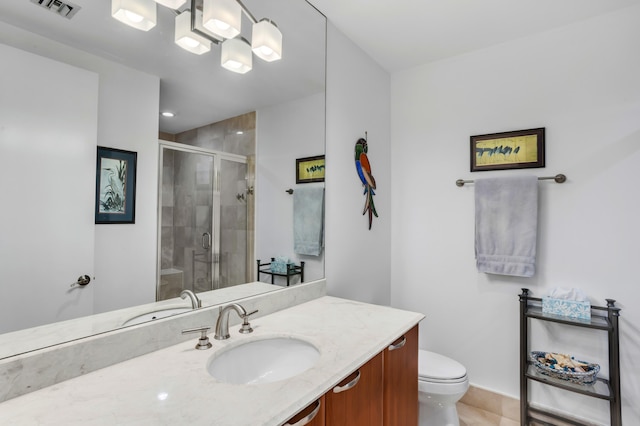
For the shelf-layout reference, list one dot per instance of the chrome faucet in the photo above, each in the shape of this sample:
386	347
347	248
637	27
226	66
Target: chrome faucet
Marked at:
222	325
195	302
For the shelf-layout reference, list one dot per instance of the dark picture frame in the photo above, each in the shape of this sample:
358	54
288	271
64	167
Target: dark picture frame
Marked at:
310	169
520	149
115	186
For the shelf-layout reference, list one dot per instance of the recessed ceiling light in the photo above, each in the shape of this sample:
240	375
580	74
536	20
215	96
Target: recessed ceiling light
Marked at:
167	114
239	132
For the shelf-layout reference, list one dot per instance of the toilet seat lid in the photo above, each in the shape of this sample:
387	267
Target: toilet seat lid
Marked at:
435	366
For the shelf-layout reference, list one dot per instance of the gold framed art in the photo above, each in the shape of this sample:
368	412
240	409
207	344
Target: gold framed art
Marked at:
310	169
520	149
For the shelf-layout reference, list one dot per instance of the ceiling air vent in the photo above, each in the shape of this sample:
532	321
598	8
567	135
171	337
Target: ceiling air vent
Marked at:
66	10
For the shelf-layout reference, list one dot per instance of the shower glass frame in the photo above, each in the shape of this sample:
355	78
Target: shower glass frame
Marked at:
218	158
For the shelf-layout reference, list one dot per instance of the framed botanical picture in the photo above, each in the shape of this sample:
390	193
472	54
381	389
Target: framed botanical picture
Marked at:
115	186
310	169
519	149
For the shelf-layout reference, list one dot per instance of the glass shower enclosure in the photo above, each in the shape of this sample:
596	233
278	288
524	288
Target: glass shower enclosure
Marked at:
203	220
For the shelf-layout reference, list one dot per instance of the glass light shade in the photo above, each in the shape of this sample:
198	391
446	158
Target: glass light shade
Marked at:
188	40
208	34
235	55
171	4
139	14
266	40
222	17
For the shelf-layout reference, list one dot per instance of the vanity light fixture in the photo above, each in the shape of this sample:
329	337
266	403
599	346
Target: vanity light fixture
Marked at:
214	21
188	39
266	40
222	17
167	114
139	14
235	55
171	4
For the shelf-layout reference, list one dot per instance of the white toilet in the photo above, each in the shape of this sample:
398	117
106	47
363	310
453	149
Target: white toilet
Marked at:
441	383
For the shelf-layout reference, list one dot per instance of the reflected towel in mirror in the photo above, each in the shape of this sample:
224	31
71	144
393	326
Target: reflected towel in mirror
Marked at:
308	220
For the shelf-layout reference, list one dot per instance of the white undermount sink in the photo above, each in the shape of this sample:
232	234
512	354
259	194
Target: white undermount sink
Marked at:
153	315
263	360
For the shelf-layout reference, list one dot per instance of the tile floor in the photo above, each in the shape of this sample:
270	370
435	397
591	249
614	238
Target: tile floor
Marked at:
472	416
481	407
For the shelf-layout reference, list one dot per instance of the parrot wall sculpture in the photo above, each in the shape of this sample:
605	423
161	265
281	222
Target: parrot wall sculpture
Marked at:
363	167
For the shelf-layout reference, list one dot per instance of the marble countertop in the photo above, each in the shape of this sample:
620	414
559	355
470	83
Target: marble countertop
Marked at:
171	386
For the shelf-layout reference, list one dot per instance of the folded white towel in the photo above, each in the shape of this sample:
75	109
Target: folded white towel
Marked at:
506	225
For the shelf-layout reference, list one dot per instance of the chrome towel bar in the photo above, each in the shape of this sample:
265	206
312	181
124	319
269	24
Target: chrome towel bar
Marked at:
559	178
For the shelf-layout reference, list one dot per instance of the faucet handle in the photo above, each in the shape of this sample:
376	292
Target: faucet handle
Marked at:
245	328
203	341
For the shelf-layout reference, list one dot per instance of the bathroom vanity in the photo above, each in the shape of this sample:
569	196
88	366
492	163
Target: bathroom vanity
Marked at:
377	344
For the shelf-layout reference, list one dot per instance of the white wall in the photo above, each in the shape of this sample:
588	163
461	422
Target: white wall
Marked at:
285	132
581	83
128	103
358	98
125	255
45	127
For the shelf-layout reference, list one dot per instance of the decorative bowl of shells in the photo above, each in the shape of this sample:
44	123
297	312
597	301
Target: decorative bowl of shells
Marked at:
565	367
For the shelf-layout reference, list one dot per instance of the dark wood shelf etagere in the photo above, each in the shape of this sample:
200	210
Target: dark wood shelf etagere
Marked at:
602	318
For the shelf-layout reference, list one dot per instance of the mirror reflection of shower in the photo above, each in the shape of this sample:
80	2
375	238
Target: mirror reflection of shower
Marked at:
206	199
240	196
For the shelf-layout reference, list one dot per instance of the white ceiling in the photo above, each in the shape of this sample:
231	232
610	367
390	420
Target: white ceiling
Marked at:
400	34
195	87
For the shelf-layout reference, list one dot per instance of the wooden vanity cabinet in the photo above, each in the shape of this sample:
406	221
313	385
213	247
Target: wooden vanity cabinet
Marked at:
401	380
358	399
383	392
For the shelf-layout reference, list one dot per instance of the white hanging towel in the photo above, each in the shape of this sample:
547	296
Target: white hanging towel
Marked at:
506	225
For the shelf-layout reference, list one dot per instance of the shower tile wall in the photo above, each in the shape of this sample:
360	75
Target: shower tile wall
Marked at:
186	214
193	187
171	279
223	136
233	224
167	210
237	232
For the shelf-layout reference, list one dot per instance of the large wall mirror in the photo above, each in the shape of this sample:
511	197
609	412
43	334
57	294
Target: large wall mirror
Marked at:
86	81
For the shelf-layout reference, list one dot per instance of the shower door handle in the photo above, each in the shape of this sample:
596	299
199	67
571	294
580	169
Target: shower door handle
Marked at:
206	241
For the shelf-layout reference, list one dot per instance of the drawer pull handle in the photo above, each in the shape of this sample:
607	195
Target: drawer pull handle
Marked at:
398	345
306	420
349	385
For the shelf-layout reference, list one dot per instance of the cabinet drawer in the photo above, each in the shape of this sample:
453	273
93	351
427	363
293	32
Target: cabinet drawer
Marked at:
401	381
358	399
